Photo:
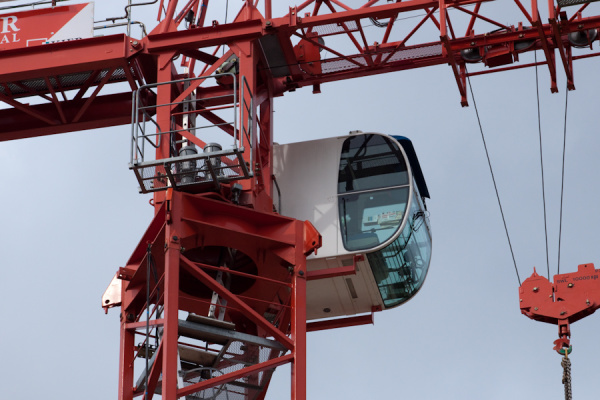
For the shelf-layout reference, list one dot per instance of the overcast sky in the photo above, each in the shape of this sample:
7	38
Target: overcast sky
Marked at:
71	215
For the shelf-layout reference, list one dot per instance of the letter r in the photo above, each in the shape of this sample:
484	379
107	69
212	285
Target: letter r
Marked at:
9	22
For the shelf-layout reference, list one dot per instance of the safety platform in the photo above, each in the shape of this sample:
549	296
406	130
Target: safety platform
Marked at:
186	166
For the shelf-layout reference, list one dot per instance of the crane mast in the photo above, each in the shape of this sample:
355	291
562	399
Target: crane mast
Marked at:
202	122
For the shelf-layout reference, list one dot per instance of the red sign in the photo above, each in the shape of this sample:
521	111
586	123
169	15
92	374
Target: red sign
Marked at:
46	25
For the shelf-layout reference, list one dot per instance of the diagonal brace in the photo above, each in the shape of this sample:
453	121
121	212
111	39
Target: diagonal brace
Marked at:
232	298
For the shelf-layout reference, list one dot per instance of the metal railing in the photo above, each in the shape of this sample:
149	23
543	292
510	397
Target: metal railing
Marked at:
127	17
185	165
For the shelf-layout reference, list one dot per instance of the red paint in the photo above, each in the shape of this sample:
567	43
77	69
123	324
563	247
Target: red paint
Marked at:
39	26
570	298
276	245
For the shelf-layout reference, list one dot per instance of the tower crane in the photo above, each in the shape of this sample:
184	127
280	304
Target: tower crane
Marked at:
219	249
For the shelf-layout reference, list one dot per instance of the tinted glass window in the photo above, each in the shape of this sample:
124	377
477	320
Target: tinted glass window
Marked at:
400	268
370	218
370	162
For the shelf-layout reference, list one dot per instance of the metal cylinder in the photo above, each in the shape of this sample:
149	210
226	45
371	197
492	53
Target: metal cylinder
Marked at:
187	169
215	162
581	39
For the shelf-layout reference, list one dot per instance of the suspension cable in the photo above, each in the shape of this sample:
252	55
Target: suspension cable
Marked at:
147	342
562	185
537	91
493	178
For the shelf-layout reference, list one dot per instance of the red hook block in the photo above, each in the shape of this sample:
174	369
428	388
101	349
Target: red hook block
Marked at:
571	297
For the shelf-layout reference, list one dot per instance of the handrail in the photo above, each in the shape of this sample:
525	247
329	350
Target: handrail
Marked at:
36	3
177	167
127	16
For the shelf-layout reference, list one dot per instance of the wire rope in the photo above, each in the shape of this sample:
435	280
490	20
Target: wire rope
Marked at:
562	185
147	342
226	11
537	92
493	178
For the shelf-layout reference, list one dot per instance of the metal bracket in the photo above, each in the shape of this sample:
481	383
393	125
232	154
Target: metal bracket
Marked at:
570	298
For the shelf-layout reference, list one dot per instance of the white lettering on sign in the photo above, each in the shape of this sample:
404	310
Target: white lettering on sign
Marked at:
9	22
7	39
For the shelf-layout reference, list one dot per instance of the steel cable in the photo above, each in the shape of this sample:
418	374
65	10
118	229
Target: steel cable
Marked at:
147	342
537	91
493	178
562	185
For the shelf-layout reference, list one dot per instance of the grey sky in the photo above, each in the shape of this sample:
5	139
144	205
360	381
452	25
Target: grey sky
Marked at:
71	215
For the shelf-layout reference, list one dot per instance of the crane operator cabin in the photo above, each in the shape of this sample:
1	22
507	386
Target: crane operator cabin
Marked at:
365	193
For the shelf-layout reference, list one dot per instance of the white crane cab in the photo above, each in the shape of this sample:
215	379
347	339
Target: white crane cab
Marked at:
365	194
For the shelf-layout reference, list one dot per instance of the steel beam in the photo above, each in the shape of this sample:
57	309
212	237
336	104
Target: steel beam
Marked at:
108	110
65	58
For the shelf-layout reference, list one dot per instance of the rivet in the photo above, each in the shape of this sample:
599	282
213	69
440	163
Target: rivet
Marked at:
535	289
535	308
563	312
472	43
570	285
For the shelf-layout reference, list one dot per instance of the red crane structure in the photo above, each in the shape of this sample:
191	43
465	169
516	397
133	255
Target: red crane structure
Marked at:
571	297
217	250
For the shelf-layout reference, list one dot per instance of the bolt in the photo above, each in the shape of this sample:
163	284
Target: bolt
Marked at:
535	289
580	26
587	301
135	42
106	301
130	317
175	238
521	300
570	285
301	273
535	308
521	35
268	23
563	312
